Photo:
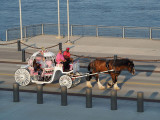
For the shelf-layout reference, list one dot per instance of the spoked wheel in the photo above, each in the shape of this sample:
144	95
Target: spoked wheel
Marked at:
22	77
65	80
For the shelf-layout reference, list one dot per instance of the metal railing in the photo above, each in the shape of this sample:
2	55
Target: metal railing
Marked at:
85	30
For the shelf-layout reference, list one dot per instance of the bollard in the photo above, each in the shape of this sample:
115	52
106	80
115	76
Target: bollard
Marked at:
60	46
23	56
114	100
19	45
15	92
39	94
88	98
140	104
115	57
63	96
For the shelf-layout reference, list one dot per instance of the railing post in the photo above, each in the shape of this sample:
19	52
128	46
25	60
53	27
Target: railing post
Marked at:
63	96
123	36
23	56
71	29
19	45
88	98
150	36
6	35
39	94
42	28
15	92
96	31
140	104
115	58
114	100
60	46
25	33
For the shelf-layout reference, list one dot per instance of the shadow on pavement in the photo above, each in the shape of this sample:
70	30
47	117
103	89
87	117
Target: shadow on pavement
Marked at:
151	68
153	95
83	90
1	82
129	93
77	39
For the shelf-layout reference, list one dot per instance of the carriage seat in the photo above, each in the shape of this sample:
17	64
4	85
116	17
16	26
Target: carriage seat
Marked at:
46	71
61	65
49	70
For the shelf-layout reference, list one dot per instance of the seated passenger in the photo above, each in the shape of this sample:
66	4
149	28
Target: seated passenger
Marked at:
59	58
49	63
39	65
43	63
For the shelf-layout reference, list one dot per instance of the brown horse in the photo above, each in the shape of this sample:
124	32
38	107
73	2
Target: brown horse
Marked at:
117	65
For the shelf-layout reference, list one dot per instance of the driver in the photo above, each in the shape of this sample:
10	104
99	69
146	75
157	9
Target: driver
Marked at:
66	55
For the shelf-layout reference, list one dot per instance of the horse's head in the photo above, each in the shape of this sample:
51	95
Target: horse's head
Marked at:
131	68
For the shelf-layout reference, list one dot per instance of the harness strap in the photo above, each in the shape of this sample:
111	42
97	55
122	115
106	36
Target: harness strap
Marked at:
113	66
107	64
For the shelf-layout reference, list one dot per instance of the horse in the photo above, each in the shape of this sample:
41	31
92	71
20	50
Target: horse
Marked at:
116	65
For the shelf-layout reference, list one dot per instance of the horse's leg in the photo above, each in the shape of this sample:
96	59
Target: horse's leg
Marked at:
115	86
100	86
88	82
110	85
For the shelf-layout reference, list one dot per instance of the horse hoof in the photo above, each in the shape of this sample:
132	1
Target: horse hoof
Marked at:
89	86
108	86
116	88
102	88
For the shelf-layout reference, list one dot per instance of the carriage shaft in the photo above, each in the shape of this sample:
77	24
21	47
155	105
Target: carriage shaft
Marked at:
87	74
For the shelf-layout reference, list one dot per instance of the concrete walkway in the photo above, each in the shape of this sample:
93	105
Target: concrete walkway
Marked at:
99	45
28	109
141	49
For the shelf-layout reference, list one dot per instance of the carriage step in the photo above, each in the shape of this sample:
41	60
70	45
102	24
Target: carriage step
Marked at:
40	82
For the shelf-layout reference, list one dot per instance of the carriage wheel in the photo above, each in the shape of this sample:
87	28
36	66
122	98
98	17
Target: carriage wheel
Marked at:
22	77
65	80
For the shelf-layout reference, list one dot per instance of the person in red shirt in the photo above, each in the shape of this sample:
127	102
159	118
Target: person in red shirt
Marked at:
67	55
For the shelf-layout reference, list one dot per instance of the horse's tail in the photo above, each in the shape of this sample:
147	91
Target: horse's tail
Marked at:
91	66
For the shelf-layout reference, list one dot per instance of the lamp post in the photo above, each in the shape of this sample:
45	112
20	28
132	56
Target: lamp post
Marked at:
68	40
59	27
20	14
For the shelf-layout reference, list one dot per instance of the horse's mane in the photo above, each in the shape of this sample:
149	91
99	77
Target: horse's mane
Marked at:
120	62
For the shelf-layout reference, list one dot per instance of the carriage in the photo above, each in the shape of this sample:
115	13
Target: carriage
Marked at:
26	74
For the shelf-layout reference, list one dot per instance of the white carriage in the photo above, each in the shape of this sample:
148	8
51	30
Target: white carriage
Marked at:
26	73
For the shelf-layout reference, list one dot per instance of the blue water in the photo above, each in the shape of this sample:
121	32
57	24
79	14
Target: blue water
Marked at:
85	12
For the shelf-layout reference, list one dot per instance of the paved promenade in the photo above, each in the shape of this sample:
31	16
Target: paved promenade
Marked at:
28	109
98	45
141	49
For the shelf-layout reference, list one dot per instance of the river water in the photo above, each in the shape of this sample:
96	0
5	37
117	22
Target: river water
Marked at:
144	13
